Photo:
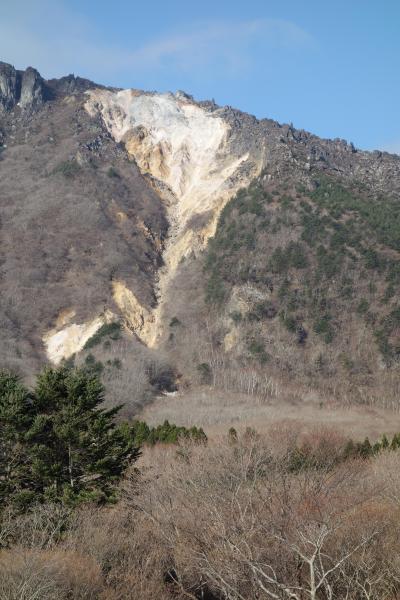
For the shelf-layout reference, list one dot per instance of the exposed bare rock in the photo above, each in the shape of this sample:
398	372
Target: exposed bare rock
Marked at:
29	91
9	86
32	89
189	149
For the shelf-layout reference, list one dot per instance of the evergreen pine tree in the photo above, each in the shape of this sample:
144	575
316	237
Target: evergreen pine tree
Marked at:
15	420
350	450
366	449
395	444
140	432
77	452
376	448
384	442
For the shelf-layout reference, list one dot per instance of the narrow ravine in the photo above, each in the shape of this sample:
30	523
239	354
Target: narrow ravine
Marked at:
189	150
189	155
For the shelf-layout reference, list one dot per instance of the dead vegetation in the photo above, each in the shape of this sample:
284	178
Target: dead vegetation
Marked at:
67	228
233	520
217	410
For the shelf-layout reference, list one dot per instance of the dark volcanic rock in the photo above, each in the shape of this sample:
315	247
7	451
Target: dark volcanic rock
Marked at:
26	88
70	85
9	86
32	89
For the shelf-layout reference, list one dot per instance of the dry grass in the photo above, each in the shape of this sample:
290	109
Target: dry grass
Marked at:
216	411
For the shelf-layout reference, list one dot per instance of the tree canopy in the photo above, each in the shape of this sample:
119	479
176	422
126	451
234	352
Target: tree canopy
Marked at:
57	441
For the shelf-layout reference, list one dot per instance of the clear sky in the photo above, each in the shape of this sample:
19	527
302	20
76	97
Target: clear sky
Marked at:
332	68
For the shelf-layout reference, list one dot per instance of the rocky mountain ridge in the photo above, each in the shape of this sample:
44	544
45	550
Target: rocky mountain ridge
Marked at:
28	90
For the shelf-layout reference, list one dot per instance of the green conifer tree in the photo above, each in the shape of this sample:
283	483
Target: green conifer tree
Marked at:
395	444
350	450
366	449
384	442
15	420
140	432
77	452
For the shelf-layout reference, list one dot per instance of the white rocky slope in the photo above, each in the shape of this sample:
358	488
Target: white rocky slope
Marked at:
188	149
189	154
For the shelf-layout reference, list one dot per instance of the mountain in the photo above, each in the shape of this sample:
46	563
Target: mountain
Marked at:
165	241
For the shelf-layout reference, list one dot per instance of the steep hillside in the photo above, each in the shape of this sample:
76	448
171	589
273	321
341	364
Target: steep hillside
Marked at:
300	282
156	238
195	164
78	221
308	279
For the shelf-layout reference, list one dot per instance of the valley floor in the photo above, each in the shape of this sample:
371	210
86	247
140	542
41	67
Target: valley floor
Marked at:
216	411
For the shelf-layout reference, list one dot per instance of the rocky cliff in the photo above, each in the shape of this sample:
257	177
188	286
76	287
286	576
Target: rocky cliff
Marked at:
26	88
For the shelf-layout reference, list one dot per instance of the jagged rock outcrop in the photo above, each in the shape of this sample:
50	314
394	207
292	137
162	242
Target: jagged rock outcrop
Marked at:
32	89
9	86
27	89
70	84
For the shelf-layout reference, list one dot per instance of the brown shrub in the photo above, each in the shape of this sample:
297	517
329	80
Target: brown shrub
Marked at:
228	521
34	574
124	546
236	522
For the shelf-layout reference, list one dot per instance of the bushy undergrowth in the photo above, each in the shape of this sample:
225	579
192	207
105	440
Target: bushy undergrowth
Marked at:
242	518
318	257
382	215
167	433
111	330
68	168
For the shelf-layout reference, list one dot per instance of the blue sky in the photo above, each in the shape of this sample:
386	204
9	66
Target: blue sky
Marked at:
329	67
